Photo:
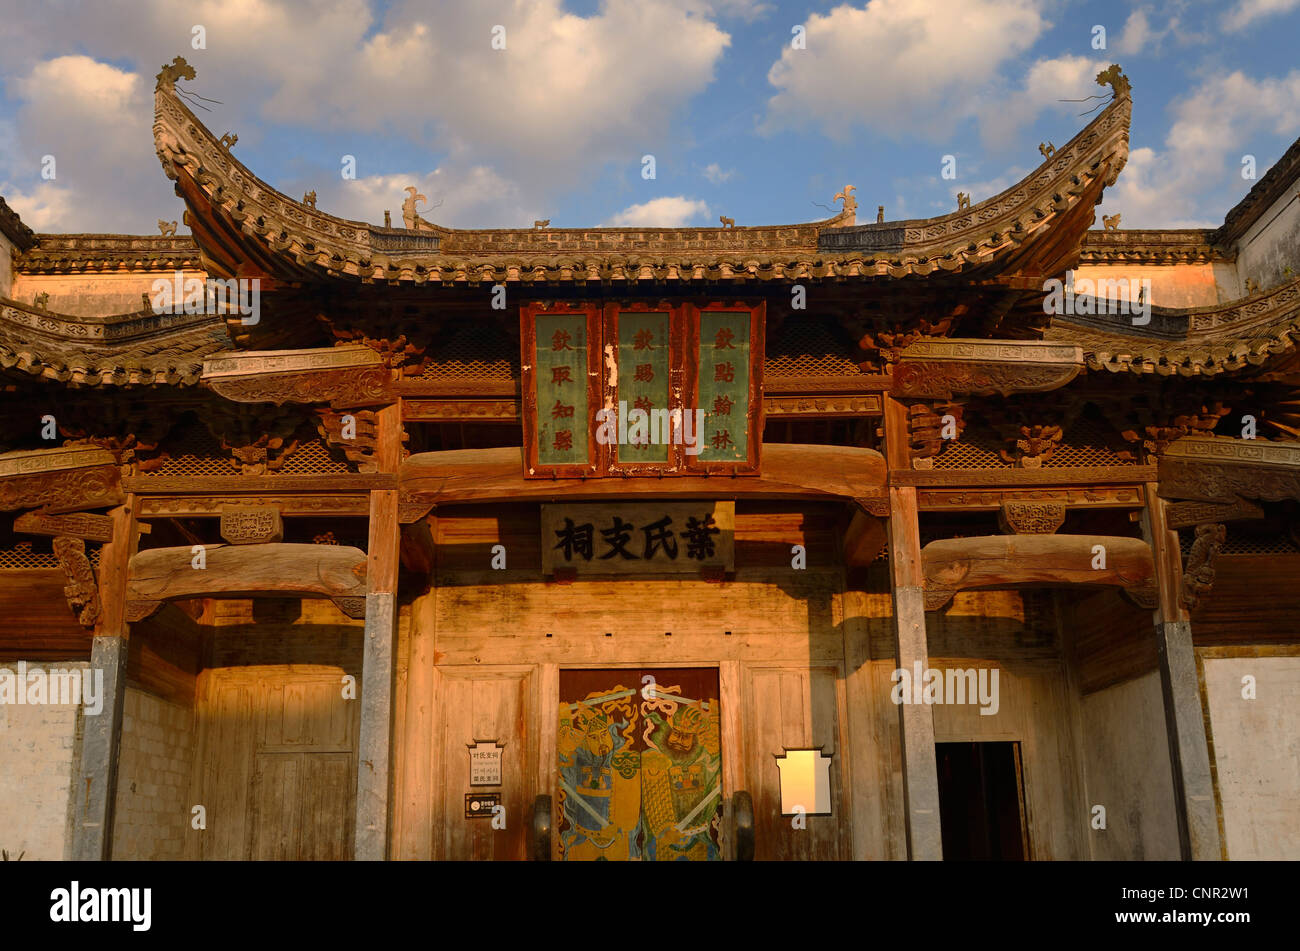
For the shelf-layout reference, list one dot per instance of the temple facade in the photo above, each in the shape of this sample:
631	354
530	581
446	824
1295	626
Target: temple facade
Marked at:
967	537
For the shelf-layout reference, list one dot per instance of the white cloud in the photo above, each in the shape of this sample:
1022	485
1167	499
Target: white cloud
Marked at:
569	94
1047	82
1213	128
673	211
898	66
95	120
1246	12
716	175
474	197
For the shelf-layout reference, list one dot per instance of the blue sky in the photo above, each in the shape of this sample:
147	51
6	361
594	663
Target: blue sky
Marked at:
556	124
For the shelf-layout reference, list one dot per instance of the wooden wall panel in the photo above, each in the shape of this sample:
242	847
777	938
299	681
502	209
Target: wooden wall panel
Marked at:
35	620
1109	640
1255	600
485	704
792	708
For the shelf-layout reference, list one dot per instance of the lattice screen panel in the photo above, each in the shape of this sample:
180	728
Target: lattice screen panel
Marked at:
480	352
195	451
808	347
312	457
30	554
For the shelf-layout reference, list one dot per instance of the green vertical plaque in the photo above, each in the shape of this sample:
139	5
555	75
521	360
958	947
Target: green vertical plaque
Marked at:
563	416
724	386
643	384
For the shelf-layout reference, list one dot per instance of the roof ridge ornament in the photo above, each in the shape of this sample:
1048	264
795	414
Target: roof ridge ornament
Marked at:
1113	77
179	69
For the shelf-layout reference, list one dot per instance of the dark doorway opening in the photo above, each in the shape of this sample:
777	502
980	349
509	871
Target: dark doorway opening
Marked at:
982	802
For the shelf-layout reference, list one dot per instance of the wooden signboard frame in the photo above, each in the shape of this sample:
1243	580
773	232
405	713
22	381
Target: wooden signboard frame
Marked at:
683	390
597	456
757	313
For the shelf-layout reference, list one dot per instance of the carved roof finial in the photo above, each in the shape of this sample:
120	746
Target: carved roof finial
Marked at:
1112	76
179	69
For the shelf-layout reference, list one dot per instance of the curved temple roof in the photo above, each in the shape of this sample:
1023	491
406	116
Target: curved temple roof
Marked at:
239	221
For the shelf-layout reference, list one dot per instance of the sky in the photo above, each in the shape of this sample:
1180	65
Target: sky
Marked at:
505	112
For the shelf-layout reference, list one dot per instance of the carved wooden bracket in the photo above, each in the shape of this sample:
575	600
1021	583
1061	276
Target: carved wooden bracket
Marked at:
931	427
1031	518
355	433
85	525
343	376
1198	576
1187	514
81	590
1226	470
941	369
336	572
59	480
999	561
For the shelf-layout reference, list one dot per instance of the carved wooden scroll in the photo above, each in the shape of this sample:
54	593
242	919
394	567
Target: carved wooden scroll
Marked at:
1198	576
81	590
59	480
1223	469
251	524
999	561
85	525
352	375
336	572
941	369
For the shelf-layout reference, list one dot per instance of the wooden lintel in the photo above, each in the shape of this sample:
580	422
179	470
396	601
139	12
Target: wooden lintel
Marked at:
261	485
1004	561
1014	478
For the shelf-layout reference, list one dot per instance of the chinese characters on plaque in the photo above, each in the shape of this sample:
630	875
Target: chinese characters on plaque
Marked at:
563	416
724	385
643	362
639	538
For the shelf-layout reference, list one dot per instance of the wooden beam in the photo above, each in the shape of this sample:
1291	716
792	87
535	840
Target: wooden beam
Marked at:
863	539
376	733
95	793
1002	561
337	572
916	720
1189	754
789	471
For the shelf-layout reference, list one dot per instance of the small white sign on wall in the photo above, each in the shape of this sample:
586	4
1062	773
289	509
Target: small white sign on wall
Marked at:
805	782
485	763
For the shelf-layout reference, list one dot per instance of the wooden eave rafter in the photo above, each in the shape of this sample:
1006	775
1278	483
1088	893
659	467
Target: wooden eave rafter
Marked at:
243	219
1234	338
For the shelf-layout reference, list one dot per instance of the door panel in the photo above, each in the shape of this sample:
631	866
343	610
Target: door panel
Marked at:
277	763
640	765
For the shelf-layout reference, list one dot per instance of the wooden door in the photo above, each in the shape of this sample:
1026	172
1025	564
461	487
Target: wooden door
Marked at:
276	769
490	705
640	765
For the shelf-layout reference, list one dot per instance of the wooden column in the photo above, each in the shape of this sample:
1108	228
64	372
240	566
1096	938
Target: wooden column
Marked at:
375	740
95	791
916	720
1189	754
416	799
